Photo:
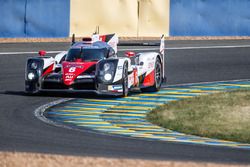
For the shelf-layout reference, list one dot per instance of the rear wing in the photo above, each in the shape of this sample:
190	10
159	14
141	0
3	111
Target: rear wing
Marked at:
111	39
160	44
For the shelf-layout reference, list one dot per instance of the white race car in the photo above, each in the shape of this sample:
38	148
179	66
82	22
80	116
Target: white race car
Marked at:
93	65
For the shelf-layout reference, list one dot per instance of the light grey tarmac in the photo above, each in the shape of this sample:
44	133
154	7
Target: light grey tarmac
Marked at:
21	131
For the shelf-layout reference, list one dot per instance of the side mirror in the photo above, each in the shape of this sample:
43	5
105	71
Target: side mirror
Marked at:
58	67
42	52
130	54
111	52
87	39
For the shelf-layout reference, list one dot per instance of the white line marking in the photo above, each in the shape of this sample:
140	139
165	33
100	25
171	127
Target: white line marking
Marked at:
210	47
20	53
143	49
191	47
210	82
39	112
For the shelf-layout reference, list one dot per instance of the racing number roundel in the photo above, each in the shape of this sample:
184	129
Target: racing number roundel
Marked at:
72	69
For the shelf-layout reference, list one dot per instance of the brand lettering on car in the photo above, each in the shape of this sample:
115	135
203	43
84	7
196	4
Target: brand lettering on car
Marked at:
76	66
69	76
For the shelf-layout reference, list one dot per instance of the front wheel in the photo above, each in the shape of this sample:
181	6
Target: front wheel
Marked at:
31	88
125	81
157	78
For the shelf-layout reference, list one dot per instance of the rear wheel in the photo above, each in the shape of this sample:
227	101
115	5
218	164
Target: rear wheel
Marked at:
157	78
125	81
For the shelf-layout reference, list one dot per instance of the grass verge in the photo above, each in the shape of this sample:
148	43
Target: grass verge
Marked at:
222	115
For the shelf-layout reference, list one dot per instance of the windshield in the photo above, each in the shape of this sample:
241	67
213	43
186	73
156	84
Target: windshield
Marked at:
86	54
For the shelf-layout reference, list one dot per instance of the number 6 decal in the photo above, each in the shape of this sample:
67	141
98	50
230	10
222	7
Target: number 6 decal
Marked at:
72	69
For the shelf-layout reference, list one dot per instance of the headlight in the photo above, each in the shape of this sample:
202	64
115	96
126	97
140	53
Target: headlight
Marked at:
33	66
106	66
106	71
108	77
31	76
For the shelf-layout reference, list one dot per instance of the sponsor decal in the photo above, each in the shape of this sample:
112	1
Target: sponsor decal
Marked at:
149	58
131	79
151	65
110	87
117	87
114	87
136	79
69	77
119	67
74	66
73	69
118	75
85	76
70	74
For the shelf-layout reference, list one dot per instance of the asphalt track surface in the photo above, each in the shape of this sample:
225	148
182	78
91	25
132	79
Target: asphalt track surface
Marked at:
21	131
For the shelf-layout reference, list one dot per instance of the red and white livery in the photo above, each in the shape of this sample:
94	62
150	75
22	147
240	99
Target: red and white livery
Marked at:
93	65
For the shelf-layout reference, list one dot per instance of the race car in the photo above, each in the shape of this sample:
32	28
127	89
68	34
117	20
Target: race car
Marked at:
92	65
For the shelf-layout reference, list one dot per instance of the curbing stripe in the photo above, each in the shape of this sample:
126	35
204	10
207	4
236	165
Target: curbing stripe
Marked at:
126	116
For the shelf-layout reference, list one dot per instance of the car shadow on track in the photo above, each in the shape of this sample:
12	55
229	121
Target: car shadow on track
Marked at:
7	92
51	94
63	94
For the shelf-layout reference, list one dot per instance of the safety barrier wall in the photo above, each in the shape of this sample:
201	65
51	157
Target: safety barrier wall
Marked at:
130	18
12	18
125	17
34	18
110	15
153	17
61	18
210	18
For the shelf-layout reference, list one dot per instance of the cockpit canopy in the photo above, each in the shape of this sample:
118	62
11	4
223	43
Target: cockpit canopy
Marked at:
90	52
86	54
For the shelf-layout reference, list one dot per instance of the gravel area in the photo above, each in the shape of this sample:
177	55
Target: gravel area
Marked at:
8	159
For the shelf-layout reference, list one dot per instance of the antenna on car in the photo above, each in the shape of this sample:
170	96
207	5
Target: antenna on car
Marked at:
73	40
96	30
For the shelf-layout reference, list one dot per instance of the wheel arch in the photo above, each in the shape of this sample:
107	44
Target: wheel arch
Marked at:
163	66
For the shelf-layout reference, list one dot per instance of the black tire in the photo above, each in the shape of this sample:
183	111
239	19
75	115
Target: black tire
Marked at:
158	78
125	81
31	88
